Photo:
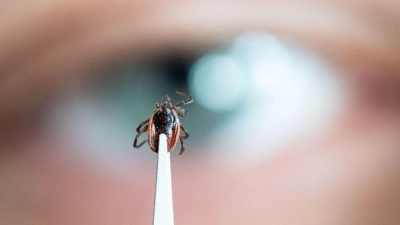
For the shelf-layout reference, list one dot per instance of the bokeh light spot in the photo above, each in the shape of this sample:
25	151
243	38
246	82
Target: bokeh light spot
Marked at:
218	83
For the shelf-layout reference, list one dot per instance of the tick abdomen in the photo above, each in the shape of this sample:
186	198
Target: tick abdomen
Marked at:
164	120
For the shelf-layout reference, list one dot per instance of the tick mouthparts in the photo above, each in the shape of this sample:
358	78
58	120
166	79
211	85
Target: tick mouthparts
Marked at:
166	99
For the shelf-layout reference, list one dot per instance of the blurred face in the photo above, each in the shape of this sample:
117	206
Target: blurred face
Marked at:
295	119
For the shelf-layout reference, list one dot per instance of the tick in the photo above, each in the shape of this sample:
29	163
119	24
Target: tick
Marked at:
165	120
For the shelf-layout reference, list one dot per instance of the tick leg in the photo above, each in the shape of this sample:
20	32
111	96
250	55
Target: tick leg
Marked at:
138	135
182	103
184	131
142	124
181	112
182	146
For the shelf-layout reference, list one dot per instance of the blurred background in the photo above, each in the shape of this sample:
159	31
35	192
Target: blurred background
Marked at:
294	121
257	93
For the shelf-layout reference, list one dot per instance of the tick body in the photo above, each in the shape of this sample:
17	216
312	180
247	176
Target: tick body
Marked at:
165	120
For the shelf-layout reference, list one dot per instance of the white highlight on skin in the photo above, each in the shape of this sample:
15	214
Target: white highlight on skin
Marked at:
289	94
218	82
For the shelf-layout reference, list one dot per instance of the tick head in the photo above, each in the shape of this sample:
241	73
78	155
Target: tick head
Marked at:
166	102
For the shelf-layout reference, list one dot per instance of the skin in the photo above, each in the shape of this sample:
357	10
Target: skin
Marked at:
347	175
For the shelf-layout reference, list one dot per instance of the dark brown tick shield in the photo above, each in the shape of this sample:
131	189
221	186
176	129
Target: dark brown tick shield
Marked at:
165	120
